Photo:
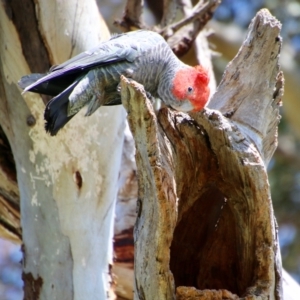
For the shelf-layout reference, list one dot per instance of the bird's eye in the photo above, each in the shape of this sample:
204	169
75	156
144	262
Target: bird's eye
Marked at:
190	89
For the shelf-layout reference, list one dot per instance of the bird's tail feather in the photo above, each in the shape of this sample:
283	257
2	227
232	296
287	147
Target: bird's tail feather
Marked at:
28	80
50	84
56	112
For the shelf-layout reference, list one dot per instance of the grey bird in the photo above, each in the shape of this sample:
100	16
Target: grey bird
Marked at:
92	78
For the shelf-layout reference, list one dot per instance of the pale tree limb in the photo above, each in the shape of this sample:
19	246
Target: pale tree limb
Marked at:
67	183
170	8
182	34
202	12
132	16
205	215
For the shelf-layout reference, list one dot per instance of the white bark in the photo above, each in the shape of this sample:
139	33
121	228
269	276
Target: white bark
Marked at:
67	183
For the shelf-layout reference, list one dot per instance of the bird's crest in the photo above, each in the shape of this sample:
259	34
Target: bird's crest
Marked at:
191	84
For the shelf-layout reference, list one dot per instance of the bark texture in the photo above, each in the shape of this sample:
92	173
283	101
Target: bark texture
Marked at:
205	217
67	184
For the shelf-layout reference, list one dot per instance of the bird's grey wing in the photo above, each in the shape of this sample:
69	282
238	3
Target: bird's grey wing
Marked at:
105	53
124	47
121	47
61	76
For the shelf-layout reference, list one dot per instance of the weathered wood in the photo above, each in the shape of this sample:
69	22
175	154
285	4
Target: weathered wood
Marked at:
228	38
156	217
253	105
187	293
205	211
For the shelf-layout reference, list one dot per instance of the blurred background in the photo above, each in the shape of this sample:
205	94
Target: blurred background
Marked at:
228	29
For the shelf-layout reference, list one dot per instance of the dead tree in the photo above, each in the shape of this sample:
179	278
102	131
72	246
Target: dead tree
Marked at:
205	227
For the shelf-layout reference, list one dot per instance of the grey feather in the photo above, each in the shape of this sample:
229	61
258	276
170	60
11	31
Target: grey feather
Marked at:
143	55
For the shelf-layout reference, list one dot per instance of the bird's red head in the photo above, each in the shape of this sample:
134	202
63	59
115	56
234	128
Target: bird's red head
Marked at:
191	84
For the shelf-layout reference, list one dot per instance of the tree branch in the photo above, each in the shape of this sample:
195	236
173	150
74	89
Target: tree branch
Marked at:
182	34
201	12
132	16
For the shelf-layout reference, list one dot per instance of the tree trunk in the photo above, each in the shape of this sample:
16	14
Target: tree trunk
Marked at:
67	183
205	227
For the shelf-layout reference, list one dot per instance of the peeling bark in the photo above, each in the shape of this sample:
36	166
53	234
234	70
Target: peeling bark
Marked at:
205	217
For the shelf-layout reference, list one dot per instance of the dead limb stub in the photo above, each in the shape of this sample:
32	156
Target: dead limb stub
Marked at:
205	216
156	217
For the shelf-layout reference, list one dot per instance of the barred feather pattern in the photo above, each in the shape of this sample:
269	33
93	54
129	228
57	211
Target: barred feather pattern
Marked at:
92	78
154	68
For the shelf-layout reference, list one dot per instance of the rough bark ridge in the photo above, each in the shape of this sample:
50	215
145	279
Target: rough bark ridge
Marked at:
205	216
